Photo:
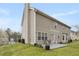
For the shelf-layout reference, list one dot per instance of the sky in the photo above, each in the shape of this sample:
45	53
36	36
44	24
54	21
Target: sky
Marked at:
11	16
11	13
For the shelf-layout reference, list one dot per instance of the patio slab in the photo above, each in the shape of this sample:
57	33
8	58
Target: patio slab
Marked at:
53	46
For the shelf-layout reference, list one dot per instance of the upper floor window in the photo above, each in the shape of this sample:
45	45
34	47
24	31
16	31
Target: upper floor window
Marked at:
55	25
58	37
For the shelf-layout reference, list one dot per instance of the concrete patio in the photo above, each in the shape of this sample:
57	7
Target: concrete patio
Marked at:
53	46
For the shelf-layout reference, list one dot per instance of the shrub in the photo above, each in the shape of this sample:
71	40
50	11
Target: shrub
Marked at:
69	41
47	47
38	45
19	40
23	41
35	44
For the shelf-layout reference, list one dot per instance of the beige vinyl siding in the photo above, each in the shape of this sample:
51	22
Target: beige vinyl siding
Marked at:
46	25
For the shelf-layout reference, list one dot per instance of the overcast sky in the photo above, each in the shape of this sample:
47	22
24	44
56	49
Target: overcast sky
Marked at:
11	14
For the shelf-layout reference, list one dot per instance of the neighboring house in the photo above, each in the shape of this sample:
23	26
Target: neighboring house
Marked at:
3	37
74	35
77	33
38	27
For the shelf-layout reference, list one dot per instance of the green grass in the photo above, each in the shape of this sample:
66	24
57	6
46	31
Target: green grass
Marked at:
19	49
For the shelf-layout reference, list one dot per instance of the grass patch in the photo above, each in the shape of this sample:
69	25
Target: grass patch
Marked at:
19	49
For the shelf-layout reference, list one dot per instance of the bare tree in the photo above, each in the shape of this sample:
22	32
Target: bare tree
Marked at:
9	33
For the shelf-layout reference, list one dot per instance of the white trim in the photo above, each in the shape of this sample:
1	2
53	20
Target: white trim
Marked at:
34	26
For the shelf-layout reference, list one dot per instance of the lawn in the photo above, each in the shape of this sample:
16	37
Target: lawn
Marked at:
19	49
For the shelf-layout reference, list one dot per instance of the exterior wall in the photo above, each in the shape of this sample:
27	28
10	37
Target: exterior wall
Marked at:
34	23
29	27
74	35
25	24
43	24
77	35
32	27
65	31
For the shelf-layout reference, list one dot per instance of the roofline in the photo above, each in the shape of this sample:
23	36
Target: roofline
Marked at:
22	17
44	14
72	31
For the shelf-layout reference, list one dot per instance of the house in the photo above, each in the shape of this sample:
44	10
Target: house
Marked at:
37	27
77	33
74	35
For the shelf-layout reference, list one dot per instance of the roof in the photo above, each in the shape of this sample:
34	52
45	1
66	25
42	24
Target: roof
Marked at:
44	14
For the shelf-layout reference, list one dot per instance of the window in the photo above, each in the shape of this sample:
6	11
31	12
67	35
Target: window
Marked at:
55	25
66	38
42	36
45	36
63	37
39	35
58	37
